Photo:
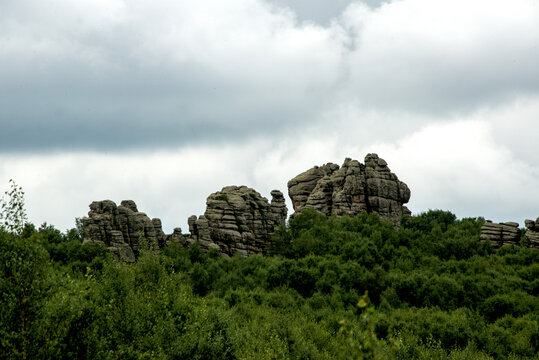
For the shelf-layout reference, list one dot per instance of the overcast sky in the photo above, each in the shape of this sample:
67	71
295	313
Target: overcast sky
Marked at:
164	102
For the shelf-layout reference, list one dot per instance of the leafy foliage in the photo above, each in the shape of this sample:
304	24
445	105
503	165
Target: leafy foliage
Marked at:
434	292
12	212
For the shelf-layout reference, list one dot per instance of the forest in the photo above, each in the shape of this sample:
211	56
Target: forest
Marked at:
330	288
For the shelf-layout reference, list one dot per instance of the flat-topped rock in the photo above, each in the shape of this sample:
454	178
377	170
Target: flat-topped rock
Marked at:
238	220
350	189
500	234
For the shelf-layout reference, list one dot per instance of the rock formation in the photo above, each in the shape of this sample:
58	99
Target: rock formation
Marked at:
238	220
121	228
506	233
532	234
350	189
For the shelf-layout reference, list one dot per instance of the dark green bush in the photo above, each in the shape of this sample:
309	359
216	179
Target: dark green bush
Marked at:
435	290
24	284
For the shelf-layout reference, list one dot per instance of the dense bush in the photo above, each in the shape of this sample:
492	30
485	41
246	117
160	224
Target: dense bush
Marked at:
434	292
24	281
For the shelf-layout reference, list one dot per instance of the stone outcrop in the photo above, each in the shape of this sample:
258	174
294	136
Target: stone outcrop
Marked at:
177	237
506	233
350	189
532	233
238	220
121	228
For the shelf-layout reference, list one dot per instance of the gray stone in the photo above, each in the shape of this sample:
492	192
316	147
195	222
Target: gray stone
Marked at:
532	233
351	189
130	204
177	237
238	220
500	234
121	228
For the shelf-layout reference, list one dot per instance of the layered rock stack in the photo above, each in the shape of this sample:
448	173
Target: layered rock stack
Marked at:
121	228
238	220
506	233
532	234
351	189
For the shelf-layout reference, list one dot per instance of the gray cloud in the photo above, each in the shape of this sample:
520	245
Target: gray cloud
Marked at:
135	110
321	11
124	75
134	80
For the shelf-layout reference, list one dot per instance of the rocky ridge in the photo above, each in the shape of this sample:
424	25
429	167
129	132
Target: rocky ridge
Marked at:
238	220
351	189
123	228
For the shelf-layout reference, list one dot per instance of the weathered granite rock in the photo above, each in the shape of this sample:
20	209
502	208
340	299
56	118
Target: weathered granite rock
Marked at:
351	189
532	234
177	237
238	220
121	228
506	233
301	187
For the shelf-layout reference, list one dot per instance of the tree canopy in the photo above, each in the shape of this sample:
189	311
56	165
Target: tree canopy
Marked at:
330	288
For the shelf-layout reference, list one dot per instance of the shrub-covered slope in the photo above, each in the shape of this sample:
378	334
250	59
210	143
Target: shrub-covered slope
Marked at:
331	288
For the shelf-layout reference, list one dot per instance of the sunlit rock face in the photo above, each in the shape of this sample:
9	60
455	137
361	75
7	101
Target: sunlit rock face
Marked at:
350	189
238	220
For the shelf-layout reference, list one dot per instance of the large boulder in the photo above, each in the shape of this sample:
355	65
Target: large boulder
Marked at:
350	189
500	234
532	233
122	229
238	220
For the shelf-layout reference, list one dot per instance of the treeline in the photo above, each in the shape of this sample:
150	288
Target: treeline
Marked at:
331	288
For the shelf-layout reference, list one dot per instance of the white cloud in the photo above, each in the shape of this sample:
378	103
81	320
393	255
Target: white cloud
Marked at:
461	167
515	126
445	56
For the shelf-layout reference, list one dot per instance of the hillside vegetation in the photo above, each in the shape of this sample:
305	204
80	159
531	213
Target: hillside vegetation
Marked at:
331	288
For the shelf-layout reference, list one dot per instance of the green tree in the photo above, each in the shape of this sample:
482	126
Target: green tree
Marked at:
24	278
12	212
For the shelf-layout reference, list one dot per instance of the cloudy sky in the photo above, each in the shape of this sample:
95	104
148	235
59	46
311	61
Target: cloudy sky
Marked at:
166	101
